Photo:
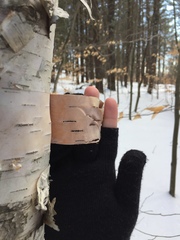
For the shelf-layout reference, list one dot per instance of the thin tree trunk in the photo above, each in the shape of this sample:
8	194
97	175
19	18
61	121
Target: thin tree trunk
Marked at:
118	73
81	39
97	38
153	58
131	72
129	38
142	76
111	50
99	71
76	71
148	51
176	118
25	131
60	64
175	134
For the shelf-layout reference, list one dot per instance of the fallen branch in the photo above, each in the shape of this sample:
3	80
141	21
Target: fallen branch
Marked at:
160	214
157	236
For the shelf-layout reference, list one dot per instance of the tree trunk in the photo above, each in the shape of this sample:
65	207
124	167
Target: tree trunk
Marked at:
99	75
142	76
131	72
111	49
25	131
175	134
176	117
155	26
148	51
129	38
119	71
63	49
97	38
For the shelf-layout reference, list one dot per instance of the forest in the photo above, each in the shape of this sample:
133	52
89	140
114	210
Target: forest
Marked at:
121	43
129	49
132	45
126	41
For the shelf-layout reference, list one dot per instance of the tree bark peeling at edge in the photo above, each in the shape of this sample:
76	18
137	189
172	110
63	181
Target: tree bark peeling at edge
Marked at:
25	129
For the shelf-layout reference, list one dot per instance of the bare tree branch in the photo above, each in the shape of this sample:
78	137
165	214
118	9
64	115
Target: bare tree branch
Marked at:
160	214
157	236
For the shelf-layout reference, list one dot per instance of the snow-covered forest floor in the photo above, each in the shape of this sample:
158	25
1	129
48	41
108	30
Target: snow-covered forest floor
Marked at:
159	216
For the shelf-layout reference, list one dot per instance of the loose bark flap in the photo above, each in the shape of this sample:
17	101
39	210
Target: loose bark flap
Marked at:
75	119
16	31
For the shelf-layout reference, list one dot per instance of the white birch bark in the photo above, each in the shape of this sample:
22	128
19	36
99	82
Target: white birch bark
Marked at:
26	48
25	69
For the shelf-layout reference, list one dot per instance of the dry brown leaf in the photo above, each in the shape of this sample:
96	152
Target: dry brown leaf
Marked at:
137	116
155	110
170	91
121	114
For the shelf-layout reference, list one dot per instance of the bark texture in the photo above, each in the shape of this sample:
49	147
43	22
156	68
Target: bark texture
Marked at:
25	68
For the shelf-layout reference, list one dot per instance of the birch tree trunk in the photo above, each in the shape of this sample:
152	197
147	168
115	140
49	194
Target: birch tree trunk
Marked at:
25	69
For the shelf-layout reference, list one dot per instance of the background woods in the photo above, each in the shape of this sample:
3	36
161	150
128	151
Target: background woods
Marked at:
132	47
127	41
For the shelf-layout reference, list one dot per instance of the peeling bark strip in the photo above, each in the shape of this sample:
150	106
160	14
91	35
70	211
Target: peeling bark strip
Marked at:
25	129
16	31
75	119
12	222
53	10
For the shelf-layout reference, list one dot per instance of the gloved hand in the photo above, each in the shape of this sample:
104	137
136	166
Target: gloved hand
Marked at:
91	203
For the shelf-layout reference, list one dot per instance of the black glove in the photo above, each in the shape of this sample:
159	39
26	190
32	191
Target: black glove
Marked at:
91	204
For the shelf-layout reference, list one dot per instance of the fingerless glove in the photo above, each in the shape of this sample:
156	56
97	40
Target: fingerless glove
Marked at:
92	201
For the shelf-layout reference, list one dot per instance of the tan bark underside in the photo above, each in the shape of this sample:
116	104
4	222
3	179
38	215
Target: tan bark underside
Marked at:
75	119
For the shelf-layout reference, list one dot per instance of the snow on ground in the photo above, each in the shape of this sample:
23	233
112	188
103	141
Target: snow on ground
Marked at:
159	212
159	216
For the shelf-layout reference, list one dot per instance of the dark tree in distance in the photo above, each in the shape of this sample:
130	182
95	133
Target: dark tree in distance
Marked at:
176	115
